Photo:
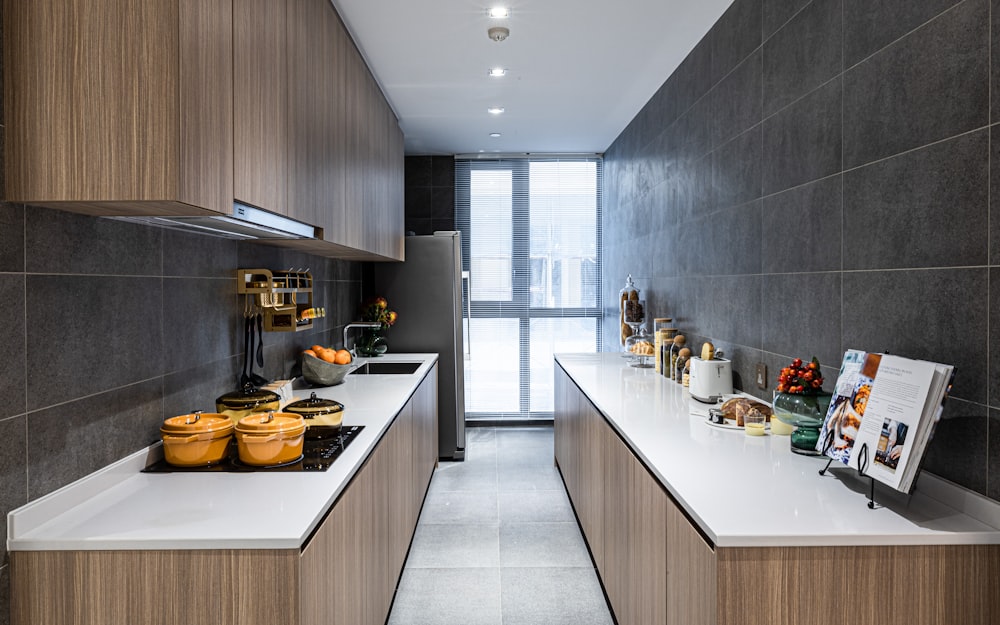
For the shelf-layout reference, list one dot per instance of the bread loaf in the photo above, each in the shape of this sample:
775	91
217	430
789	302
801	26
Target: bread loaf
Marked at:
738	407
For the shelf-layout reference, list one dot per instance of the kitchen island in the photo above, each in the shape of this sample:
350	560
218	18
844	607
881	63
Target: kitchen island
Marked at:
122	546
692	524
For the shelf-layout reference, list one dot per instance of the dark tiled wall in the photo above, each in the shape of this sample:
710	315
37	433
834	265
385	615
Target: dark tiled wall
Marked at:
817	176
430	193
110	327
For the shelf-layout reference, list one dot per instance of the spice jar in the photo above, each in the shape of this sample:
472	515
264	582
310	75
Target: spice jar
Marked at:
662	333
628	294
675	348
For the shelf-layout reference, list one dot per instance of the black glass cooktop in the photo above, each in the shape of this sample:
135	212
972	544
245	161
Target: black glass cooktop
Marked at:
317	455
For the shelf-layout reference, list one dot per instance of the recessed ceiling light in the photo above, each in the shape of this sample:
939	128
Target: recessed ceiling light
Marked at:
494	134
498	12
495	110
497	72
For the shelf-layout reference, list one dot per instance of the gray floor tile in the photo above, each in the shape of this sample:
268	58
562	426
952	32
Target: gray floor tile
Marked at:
514	477
534	437
477	436
452	476
442	506
454	546
447	597
552	596
543	506
543	545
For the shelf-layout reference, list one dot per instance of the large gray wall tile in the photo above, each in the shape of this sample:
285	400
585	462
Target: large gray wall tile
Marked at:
895	210
802	309
803	54
802	143
960	446
13	472
871	25
994	330
736	101
11	237
201	321
930	85
736	170
12	360
802	228
98	333
192	255
88	245
778	12
735	36
938	315
993	453
69	441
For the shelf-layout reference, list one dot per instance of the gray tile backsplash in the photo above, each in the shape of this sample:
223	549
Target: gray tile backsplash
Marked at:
834	193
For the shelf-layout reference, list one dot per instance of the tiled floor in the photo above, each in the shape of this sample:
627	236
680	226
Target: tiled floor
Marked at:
497	543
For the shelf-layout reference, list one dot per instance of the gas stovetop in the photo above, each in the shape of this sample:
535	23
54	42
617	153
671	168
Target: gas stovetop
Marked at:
317	455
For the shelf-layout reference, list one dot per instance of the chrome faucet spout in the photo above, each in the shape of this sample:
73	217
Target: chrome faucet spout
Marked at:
369	325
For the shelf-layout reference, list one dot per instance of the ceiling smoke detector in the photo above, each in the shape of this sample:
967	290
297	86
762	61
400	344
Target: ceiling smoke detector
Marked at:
498	33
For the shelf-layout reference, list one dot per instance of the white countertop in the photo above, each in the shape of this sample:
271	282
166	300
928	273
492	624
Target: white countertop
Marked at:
120	508
753	491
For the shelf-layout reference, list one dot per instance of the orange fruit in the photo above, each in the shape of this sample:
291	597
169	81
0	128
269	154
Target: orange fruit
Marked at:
342	357
328	355
317	349
310	352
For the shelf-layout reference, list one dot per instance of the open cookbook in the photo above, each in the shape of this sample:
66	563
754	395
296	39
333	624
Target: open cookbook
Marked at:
882	414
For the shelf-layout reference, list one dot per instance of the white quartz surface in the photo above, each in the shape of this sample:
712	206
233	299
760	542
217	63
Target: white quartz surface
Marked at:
122	508
753	491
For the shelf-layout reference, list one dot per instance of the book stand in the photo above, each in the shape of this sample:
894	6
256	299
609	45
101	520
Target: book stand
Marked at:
862	466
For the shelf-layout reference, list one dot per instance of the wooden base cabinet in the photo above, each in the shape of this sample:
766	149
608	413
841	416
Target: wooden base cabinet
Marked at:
658	569
346	574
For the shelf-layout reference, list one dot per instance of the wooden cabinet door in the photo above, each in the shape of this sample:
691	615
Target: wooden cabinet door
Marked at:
635	539
119	108
260	104
338	564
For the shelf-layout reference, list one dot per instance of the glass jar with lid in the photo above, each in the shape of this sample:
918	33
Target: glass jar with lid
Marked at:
639	347
631	310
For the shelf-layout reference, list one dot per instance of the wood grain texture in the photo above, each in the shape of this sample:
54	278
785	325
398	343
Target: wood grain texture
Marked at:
260	104
205	102
425	435
401	492
118	101
890	585
615	570
154	587
691	573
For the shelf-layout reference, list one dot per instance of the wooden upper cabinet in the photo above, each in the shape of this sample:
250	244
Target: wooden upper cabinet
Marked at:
260	104
119	107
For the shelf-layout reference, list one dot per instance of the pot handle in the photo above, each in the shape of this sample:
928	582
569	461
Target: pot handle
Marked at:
252	438
180	439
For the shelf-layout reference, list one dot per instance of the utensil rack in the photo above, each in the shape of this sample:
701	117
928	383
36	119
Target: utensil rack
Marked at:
284	298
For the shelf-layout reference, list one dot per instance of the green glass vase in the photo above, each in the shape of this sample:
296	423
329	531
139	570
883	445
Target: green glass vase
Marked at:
371	343
806	414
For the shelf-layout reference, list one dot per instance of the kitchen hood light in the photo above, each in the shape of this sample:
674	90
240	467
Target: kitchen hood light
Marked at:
497	72
494	134
495	110
498	12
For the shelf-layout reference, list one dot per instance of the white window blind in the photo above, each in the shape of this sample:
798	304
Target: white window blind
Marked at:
532	246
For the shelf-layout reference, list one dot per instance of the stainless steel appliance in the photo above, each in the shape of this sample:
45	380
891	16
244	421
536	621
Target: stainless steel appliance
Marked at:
426	291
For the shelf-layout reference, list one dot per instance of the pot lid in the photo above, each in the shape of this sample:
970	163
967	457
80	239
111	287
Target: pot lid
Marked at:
197	422
271	423
247	397
314	406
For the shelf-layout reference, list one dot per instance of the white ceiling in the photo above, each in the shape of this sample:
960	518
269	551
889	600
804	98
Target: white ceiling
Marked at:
579	70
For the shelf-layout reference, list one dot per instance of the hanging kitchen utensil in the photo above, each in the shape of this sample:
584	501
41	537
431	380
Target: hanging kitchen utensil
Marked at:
247	328
258	352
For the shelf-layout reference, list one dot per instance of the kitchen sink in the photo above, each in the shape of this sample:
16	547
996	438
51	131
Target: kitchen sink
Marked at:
387	368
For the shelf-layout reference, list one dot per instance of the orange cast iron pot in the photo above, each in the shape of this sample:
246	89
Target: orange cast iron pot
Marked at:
268	439
196	439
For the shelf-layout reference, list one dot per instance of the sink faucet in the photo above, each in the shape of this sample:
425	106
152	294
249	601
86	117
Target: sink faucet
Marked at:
359	324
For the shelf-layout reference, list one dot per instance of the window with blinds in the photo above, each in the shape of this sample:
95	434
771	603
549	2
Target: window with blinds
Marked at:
532	246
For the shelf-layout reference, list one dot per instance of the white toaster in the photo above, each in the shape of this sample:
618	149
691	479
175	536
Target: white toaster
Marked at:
710	379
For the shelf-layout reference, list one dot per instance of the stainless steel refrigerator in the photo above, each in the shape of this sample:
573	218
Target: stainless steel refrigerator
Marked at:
426	291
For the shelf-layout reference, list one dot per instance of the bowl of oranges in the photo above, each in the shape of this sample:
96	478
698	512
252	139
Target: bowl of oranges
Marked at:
323	366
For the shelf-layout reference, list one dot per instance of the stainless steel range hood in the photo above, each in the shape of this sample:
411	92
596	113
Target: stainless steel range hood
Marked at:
246	222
